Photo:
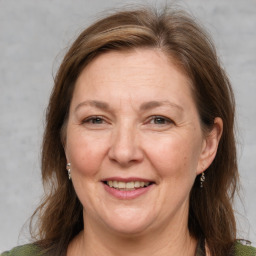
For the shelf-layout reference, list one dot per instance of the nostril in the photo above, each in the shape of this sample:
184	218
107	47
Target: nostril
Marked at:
125	150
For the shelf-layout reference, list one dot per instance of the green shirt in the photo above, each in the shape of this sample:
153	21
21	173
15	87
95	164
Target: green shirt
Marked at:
23	250
244	250
32	250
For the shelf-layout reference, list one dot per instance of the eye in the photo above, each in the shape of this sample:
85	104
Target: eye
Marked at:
93	120
160	120
96	122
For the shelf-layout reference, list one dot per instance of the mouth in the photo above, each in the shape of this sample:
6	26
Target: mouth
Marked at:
127	186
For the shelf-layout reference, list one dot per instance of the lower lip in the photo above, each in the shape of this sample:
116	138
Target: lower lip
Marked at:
126	195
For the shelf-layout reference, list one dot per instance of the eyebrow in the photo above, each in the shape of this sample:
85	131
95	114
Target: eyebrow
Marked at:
94	103
144	106
154	104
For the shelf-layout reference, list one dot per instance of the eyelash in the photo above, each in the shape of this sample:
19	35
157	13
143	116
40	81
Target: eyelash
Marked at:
100	120
160	118
91	120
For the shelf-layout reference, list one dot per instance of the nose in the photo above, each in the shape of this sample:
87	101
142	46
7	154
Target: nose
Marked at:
125	148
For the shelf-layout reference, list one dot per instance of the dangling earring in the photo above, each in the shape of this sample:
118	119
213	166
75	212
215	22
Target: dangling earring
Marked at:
69	170
202	179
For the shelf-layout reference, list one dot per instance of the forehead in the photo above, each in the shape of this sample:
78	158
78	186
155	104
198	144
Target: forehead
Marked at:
151	59
141	72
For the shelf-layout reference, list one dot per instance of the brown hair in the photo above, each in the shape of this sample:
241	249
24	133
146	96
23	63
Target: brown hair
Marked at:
185	42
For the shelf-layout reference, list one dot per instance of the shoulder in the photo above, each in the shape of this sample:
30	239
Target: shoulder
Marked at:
244	250
23	250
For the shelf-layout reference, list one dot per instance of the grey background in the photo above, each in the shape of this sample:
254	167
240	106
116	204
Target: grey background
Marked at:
33	38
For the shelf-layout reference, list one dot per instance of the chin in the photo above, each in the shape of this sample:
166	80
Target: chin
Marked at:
129	229
130	223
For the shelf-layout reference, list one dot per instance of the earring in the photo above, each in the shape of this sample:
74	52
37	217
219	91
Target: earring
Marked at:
69	170
202	179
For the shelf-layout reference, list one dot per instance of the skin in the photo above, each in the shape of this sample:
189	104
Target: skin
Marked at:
160	142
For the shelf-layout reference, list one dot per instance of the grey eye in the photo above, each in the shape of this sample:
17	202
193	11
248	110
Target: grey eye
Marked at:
97	120
159	120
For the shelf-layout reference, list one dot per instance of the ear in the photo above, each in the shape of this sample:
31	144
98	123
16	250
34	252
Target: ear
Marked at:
210	146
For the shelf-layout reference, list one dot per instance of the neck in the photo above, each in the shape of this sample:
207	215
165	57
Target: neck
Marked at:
163	242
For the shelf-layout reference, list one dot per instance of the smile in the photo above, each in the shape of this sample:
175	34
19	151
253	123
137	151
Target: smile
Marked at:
127	186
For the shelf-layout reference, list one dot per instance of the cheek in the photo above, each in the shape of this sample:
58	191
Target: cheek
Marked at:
85	153
174	157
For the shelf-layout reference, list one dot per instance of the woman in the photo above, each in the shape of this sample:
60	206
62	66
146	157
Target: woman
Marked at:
141	118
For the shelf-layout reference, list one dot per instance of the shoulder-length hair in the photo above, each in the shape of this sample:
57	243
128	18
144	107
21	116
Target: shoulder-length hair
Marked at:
179	36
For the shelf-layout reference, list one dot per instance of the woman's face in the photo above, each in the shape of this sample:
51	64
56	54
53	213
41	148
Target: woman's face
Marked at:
134	142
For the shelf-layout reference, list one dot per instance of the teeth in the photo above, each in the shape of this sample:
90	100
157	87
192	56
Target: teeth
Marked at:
136	184
127	185
121	184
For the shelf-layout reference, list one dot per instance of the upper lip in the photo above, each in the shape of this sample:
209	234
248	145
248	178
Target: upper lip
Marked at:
129	179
